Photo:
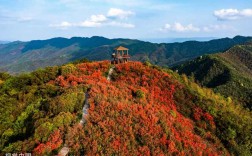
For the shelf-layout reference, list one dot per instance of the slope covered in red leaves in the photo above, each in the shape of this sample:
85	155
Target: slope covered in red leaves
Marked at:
135	114
144	110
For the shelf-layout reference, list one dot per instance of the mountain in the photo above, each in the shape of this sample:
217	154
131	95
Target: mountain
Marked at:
18	57
228	73
140	109
172	40
4	42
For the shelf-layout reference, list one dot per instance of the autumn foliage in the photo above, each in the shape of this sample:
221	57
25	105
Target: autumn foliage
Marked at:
54	142
143	110
121	123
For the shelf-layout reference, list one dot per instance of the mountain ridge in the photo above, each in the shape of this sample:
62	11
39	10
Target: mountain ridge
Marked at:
228	73
179	40
65	50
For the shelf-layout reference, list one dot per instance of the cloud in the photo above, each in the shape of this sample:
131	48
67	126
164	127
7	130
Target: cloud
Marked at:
178	27
232	14
119	13
129	3
62	25
98	18
101	20
93	21
120	24
25	19
15	18
216	27
112	23
246	12
68	1
89	24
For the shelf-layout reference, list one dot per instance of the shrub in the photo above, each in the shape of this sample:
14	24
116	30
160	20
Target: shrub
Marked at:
140	94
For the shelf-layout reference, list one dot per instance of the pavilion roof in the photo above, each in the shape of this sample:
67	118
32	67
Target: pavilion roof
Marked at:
121	48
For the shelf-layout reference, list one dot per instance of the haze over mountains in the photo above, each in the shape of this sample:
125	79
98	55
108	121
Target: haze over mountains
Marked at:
4	42
172	40
17	57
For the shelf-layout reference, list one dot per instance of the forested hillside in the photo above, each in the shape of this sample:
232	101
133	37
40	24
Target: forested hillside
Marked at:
228	73
143	110
18	57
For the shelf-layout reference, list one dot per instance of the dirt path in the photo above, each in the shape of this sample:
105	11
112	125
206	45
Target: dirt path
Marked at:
64	151
85	109
110	73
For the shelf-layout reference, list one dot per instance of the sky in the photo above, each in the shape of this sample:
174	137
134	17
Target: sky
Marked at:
136	19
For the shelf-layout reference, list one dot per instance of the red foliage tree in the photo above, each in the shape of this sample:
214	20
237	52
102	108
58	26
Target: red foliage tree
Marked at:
54	142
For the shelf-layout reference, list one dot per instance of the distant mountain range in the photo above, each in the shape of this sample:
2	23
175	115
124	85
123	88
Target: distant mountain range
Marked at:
4	42
228	73
17	57
172	40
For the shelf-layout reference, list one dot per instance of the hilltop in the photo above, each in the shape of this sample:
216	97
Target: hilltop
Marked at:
18	57
143	110
228	73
